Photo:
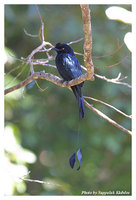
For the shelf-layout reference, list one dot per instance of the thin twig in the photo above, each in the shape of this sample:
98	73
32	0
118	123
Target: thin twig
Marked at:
39	14
73	42
17	75
41	89
102	102
36	51
37	181
104	56
45	60
19	59
42	24
113	64
114	80
91	107
44	64
83	67
30	35
80	54
14	69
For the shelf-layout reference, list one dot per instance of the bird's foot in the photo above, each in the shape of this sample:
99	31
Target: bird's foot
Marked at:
64	82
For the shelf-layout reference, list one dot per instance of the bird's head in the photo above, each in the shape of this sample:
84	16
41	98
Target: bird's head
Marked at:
63	48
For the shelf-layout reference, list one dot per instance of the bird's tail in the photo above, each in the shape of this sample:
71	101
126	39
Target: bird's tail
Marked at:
77	90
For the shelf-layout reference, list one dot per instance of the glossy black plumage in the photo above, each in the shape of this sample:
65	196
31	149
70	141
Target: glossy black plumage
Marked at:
69	68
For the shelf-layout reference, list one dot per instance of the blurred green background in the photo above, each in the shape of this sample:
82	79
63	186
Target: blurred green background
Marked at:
41	127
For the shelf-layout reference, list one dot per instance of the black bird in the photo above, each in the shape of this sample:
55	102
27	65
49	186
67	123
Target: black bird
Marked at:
69	68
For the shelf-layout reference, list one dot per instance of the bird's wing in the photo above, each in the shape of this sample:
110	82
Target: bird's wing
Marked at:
72	66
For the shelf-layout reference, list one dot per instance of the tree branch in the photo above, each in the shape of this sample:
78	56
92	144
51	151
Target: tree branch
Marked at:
38	181
88	40
49	77
102	102
91	107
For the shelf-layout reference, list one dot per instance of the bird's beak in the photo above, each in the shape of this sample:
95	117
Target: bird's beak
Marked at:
55	49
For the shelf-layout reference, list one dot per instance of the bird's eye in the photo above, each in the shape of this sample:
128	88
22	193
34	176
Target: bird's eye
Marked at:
62	49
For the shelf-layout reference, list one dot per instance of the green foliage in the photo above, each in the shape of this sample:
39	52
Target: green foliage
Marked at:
45	124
